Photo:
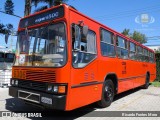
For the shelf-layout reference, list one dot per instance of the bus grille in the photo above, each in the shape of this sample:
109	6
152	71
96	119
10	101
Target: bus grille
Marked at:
43	76
41	86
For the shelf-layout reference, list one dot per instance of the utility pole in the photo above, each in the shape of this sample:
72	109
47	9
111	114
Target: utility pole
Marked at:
27	7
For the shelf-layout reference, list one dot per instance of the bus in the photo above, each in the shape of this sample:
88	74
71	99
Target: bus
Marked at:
6	62
66	60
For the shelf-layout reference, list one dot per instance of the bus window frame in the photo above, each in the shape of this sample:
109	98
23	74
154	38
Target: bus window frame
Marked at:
145	54
72	47
114	42
127	41
131	50
139	60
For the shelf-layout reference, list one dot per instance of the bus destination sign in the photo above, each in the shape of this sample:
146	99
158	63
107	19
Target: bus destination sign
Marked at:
42	17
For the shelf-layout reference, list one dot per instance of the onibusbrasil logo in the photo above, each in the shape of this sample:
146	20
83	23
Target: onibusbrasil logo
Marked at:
144	19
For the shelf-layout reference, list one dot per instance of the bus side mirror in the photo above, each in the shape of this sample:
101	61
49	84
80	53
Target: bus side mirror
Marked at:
77	37
85	31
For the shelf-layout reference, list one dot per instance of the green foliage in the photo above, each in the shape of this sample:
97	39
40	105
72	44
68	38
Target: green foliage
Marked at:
58	2
158	66
157	51
2	28
9	7
49	2
41	8
156	84
6	29
126	32
35	2
139	37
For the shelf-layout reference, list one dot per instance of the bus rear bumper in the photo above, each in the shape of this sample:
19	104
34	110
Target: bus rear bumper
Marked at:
39	98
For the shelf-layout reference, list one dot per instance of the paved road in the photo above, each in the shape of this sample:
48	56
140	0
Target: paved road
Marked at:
134	100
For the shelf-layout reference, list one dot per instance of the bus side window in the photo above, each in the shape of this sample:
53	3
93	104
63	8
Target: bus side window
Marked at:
139	53
151	57
132	53
107	43
122	48
146	57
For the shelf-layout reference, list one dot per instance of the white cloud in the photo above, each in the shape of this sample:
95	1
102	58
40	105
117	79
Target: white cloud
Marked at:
2	47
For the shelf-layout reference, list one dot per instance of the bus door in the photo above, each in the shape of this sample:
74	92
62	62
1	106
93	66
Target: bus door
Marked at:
84	81
83	55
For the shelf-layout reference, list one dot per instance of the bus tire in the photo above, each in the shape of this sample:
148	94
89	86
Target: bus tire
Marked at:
107	94
147	82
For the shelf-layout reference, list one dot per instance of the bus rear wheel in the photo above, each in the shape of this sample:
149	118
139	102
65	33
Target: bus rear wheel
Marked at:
147	82
107	94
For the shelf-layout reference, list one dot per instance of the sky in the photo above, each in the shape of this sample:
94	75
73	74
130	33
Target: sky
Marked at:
116	14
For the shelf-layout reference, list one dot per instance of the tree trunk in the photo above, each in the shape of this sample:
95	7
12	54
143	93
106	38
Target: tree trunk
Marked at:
27	7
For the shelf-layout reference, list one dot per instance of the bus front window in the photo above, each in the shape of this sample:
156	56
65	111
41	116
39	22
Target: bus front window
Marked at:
45	46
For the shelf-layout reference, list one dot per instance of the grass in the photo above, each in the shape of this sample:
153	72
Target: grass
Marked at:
156	83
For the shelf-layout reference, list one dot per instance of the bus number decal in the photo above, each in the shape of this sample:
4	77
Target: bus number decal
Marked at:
124	68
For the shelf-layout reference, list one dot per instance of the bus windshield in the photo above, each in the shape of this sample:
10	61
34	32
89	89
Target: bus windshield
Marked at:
44	46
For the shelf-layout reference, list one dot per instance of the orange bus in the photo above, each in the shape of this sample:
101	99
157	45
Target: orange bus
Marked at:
66	60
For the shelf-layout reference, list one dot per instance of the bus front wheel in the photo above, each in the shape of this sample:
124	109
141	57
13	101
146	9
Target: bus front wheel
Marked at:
107	94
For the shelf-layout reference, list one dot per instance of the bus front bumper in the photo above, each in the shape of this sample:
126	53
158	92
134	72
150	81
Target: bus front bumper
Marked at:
39	98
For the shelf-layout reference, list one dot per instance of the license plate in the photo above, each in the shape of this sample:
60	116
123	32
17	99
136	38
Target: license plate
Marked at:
46	100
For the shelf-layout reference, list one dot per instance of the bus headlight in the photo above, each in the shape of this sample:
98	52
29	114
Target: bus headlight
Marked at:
16	82
49	88
61	89
57	88
12	82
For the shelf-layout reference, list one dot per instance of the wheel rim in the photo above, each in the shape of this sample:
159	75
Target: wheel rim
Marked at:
108	94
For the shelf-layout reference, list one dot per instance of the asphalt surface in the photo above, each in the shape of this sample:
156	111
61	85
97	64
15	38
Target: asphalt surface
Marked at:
134	101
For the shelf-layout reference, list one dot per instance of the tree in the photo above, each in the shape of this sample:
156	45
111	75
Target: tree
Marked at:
157	50
41	8
2	28
6	29
49	2
9	7
27	10
139	37
126	32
